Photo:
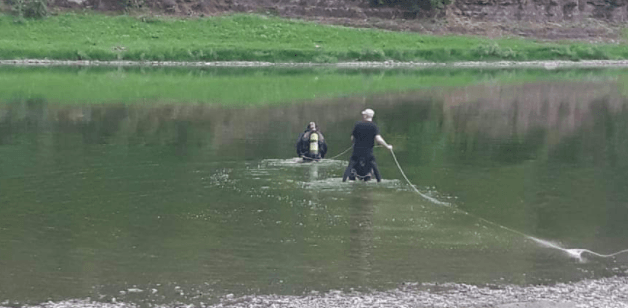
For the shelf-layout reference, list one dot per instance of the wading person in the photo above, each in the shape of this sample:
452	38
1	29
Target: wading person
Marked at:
362	162
311	144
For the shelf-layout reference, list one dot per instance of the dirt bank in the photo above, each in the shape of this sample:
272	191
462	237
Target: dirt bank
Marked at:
593	20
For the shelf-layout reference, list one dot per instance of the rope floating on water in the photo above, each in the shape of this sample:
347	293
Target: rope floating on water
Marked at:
434	200
574	252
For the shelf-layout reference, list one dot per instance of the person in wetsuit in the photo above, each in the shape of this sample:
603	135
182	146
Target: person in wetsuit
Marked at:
362	163
311	145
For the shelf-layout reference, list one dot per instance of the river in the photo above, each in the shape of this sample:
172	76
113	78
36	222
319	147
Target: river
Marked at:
179	203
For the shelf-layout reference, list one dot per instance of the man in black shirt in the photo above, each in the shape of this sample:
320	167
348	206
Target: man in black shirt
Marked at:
362	161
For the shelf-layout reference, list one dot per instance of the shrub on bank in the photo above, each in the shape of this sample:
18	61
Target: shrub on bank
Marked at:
415	6
28	8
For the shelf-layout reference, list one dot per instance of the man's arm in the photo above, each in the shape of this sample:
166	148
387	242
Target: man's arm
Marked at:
381	141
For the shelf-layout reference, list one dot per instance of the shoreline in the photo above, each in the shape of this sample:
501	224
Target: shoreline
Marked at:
590	293
547	64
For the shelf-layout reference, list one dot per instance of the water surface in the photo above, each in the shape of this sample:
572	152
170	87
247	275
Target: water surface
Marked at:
188	203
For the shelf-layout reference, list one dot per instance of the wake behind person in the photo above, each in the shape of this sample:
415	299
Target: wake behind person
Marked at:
362	163
311	145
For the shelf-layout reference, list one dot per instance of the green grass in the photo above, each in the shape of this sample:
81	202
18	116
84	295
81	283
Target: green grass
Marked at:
240	87
75	36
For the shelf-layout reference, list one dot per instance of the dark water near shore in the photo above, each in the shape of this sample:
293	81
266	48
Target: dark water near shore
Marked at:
187	203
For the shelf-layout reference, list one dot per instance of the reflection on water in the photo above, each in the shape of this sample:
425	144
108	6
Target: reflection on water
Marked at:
190	203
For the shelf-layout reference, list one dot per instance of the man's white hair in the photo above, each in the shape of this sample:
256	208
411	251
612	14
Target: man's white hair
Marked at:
368	112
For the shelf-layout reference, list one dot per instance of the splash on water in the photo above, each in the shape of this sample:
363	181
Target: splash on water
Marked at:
575	253
336	184
430	198
298	162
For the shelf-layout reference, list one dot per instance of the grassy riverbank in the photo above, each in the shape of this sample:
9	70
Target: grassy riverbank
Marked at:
247	86
75	36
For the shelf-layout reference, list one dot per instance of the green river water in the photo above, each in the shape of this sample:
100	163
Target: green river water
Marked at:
179	203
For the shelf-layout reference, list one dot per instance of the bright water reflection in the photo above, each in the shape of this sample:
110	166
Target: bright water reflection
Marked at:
188	203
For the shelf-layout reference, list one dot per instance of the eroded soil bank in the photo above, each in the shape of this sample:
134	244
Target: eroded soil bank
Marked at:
593	21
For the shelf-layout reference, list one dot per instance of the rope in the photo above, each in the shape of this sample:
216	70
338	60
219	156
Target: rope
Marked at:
574	252
412	185
345	151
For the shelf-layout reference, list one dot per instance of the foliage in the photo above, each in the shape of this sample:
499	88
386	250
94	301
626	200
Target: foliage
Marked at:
29	8
414	5
494	51
130	5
